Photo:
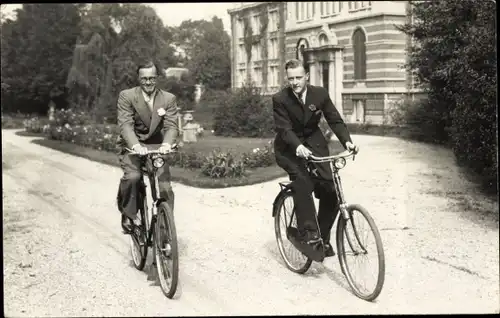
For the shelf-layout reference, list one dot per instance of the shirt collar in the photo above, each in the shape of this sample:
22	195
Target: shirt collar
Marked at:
304	94
146	97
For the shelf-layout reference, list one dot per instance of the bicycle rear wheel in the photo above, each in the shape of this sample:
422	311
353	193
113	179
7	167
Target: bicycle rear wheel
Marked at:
166	250
138	238
352	241
294	259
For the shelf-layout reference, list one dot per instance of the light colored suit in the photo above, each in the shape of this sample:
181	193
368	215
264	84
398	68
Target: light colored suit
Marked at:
138	124
141	125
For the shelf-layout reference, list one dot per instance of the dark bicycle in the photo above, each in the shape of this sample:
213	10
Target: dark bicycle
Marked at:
350	234
160	233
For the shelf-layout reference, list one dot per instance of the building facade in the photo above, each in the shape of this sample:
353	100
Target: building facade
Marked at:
352	48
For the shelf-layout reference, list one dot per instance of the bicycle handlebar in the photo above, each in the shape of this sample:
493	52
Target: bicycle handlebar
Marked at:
344	154
174	148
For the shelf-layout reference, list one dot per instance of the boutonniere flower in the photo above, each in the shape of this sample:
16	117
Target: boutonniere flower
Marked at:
312	108
161	112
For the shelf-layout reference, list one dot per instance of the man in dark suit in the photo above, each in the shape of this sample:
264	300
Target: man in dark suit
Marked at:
297	112
147	117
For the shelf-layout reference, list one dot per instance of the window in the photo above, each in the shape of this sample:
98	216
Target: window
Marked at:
240	31
241	54
359	110
329	8
304	10
273	21
241	78
256	52
257	76
256	24
323	40
355	5
272	77
359	47
272	50
301	46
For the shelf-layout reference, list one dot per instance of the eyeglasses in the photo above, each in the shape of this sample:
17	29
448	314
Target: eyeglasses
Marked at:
148	79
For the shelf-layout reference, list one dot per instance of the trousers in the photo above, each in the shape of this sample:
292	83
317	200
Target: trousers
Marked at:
128	198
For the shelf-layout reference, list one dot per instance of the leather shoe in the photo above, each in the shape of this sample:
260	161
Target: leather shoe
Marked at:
128	224
329	250
310	237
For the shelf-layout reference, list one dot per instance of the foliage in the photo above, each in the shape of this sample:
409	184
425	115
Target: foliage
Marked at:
455	56
36	55
260	157
207	46
182	88
13	121
221	164
36	125
246	113
422	119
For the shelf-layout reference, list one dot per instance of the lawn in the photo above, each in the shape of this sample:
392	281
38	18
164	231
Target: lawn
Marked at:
237	146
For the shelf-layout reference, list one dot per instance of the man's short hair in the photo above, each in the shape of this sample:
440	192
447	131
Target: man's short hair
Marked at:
148	64
294	63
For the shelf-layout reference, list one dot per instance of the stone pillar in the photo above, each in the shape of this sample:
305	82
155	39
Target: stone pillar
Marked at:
339	85
332	85
313	72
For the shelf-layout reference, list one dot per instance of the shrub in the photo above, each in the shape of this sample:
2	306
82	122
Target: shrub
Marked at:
423	120
245	113
222	165
71	117
13	121
186	160
182	88
36	125
209	102
260	157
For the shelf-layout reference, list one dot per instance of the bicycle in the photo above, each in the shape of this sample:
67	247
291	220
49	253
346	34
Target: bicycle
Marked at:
347	231
160	233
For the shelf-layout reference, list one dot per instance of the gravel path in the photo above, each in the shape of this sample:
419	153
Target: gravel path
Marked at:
64	254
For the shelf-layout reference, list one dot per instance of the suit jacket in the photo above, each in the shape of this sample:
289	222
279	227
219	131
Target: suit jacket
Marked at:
138	124
296	124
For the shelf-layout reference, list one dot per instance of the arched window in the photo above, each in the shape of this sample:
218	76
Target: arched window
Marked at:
359	46
323	40
301	46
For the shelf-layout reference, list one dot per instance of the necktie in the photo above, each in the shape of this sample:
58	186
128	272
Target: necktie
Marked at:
301	100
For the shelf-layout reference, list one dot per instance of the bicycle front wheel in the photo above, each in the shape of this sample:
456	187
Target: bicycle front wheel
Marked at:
166	250
355	239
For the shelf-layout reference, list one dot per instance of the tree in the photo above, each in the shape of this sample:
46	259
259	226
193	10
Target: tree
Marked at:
207	46
113	40
37	51
455	55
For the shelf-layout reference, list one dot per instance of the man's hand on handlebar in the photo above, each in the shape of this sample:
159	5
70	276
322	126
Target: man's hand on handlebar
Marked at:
352	147
303	152
165	148
139	149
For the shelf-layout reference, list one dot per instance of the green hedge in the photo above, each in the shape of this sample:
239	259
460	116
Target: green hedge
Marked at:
244	113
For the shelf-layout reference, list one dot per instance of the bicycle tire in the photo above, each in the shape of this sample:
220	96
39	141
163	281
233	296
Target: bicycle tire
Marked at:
279	240
165	216
140	262
340	238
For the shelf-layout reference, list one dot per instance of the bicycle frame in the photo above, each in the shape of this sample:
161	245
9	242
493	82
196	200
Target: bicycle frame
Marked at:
150	172
155	193
337	184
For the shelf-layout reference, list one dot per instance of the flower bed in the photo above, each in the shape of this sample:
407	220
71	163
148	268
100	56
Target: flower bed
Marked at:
76	128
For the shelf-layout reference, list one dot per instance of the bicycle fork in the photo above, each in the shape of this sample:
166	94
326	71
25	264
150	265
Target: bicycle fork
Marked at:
340	194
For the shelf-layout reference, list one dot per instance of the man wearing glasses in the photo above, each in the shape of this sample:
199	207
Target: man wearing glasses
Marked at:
147	117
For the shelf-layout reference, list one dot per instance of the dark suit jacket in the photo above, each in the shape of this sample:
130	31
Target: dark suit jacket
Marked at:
296	124
139	125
